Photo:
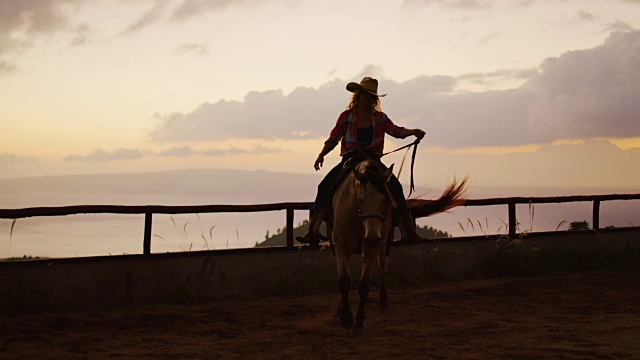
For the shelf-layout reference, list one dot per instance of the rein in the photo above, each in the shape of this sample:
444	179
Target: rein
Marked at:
363	216
413	158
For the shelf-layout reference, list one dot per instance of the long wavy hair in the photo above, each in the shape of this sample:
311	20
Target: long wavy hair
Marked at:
354	102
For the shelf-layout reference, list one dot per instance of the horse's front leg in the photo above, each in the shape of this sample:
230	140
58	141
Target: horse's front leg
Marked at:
344	281
368	261
382	262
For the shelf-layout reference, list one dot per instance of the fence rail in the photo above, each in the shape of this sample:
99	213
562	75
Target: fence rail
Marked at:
290	207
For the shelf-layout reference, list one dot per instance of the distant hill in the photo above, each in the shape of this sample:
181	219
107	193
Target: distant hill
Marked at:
280	237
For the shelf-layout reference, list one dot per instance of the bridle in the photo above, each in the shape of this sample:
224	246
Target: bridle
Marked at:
364	215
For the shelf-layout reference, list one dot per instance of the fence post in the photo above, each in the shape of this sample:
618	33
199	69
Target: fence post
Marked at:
289	227
146	246
596	214
512	219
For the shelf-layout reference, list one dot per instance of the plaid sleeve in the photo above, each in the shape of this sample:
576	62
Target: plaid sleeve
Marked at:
338	131
391	128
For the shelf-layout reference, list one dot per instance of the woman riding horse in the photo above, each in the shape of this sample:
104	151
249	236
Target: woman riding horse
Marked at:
360	129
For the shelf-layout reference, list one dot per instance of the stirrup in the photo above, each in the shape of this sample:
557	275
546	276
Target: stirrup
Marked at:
308	238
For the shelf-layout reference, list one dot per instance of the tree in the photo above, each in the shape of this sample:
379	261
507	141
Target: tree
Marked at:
579	225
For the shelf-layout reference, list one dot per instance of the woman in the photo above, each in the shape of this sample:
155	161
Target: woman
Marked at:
360	128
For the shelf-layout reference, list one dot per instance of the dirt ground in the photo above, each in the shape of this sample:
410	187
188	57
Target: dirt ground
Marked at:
586	315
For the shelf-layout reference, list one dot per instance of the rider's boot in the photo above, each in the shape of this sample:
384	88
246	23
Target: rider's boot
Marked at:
311	236
408	227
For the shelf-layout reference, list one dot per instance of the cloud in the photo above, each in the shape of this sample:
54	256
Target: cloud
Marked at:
194	48
585	15
489	37
191	8
265	150
103	155
618	26
587	93
154	14
23	22
590	93
7	68
81	36
268	114
497	76
223	152
183	151
309	112
183	10
460	4
8	158
187	151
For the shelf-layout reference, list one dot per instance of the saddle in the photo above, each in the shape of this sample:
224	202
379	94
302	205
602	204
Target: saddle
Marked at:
353	160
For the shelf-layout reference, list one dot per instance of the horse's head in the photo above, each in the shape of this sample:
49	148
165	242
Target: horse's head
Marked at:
374	200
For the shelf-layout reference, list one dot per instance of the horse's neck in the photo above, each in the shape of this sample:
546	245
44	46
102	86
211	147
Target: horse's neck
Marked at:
345	198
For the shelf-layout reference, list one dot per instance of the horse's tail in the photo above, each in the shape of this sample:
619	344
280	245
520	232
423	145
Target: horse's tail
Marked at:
453	196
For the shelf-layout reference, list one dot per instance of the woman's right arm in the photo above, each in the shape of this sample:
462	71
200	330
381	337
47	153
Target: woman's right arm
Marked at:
320	160
334	138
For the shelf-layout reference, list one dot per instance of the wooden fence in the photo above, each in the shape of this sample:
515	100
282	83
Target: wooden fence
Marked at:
290	207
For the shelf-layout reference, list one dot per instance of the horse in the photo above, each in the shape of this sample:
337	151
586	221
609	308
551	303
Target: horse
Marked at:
363	224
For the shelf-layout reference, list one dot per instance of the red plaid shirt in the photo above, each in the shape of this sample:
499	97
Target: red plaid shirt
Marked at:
346	129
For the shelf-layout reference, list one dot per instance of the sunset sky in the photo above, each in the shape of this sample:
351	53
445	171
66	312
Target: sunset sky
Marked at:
521	93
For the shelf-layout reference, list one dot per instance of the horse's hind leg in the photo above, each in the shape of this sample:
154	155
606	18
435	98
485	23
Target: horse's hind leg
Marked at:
344	280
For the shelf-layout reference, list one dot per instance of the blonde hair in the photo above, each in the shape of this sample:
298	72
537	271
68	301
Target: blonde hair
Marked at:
354	101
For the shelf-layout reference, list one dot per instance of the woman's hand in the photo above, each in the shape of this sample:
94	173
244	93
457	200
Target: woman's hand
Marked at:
319	161
418	133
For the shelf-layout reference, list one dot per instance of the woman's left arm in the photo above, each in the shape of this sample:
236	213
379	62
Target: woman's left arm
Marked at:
400	132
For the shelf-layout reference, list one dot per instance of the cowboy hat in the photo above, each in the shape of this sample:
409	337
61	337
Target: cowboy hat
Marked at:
367	84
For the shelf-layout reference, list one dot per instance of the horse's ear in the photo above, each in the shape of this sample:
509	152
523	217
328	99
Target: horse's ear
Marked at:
360	176
387	174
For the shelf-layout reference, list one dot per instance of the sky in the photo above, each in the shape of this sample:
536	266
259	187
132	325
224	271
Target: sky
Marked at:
511	93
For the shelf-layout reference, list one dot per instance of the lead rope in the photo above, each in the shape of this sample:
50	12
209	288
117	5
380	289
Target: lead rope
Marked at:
413	158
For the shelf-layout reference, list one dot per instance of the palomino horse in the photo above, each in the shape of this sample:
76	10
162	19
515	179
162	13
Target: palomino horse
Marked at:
363	225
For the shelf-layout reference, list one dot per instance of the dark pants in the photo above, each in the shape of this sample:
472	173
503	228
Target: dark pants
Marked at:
327	186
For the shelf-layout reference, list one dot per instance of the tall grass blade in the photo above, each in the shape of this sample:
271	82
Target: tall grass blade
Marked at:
176	226
560	224
184	228
13	224
504	225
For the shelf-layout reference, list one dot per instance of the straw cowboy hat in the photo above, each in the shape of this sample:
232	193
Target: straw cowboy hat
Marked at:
367	84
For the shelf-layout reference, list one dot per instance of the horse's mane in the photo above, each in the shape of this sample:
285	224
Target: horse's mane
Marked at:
453	196
373	171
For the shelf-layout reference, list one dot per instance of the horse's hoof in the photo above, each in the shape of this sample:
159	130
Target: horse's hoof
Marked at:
346	322
357	331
